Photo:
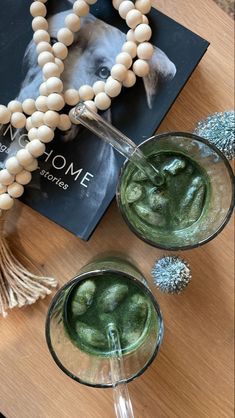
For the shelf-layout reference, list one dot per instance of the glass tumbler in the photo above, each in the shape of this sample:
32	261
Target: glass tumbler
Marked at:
175	190
91	366
218	199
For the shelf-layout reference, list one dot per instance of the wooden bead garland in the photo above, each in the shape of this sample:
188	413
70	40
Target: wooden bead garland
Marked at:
43	116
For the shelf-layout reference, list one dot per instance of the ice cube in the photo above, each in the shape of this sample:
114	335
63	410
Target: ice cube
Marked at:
112	297
90	335
83	298
135	317
174	165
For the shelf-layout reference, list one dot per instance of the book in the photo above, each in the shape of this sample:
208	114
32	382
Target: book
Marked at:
78	173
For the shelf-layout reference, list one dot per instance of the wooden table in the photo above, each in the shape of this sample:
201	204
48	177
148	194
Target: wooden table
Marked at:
193	374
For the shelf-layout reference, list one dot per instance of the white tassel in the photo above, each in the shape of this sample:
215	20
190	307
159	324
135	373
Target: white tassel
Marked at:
19	287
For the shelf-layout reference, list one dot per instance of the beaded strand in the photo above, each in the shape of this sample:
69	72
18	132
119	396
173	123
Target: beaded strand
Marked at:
41	117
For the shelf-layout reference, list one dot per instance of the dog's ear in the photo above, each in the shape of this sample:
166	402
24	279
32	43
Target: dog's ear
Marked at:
162	69
32	77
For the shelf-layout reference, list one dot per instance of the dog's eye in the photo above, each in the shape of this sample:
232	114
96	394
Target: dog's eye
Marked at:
103	72
53	40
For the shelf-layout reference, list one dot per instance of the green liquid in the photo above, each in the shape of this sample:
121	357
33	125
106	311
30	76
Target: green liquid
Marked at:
97	302
168	209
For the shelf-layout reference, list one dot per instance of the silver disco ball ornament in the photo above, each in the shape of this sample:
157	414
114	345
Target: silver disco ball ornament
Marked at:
171	274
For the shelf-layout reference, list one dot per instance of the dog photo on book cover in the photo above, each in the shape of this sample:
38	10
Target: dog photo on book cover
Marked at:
78	173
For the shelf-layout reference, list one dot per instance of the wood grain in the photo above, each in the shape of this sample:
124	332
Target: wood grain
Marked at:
193	374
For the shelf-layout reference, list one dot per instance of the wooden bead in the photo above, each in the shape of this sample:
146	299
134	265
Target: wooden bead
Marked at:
13	166
59	64
28	106
43	47
51	70
64	123
143	32
65	36
15	190
29	124
45	134
60	50
125	7
130	79
72	22
5	115
102	101
14	106
71	97
98	87
81	8
32	134
41	103
24	157
131	48
39	22
133	18
3	188
144	6
130	36
119	72
43	89
37	119
117	3
45	57
141	68
18	120
51	119
145	51
55	102
36	148
125	59
33	166
91	105
54	85
91	1
113	87
6	178
41	36
37	8
86	92
6	201
24	177
145	19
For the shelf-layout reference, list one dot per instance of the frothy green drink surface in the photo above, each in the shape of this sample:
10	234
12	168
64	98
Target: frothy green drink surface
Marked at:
99	301
176	205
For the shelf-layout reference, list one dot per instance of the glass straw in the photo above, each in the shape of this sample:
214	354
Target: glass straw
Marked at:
117	139
121	397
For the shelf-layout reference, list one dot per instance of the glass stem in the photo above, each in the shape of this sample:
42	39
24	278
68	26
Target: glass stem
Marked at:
117	139
122	402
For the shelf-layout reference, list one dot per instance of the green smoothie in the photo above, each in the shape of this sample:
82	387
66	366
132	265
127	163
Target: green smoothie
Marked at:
95	303
169	210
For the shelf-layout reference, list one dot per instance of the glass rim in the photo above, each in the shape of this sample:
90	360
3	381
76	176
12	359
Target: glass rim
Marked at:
226	218
79	278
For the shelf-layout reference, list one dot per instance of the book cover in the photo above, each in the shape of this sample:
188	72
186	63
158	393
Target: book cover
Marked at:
78	173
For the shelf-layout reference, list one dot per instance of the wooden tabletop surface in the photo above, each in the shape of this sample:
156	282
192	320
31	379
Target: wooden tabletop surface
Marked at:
193	375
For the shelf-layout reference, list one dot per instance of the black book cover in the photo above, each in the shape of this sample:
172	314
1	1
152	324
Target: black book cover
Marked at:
77	175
